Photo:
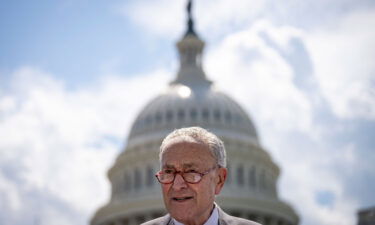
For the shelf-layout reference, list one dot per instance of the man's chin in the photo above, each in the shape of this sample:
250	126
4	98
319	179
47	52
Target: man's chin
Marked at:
181	215
182	218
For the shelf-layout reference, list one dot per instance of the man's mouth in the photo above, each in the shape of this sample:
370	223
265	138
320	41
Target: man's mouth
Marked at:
181	199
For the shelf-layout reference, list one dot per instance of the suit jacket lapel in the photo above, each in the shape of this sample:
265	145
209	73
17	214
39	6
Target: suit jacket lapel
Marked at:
222	222
170	222
222	216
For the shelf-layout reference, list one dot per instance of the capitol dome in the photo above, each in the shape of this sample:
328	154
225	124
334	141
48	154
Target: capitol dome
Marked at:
183	106
193	100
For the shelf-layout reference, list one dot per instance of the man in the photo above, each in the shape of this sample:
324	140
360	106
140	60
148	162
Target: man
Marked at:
193	171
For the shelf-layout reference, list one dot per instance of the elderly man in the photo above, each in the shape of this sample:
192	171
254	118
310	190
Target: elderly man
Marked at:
193	171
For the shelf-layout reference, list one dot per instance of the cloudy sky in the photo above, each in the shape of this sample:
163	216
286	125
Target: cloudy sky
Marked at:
70	71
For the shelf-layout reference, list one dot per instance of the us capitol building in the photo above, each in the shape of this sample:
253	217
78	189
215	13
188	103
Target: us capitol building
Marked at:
192	100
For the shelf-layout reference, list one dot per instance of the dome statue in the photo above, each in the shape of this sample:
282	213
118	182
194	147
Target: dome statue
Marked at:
193	100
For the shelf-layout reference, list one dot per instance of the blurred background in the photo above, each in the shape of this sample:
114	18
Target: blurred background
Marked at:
74	75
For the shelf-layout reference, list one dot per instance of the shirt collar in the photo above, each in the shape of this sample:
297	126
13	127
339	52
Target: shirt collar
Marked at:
213	220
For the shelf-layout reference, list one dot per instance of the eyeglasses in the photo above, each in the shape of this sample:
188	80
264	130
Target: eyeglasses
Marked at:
167	176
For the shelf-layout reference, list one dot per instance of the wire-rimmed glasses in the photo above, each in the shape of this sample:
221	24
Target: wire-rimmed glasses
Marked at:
167	176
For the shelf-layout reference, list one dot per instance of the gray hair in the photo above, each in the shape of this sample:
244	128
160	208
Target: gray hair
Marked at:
199	135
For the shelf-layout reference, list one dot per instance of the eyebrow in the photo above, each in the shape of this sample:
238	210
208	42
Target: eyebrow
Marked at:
185	166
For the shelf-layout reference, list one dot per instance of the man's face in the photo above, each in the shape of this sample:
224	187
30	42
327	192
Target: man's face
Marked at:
191	203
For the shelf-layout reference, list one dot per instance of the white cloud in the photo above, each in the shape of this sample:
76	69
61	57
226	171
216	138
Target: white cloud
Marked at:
249	68
311	169
58	144
158	17
343	61
219	16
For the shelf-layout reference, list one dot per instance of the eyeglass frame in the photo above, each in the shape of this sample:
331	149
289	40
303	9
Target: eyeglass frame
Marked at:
182	175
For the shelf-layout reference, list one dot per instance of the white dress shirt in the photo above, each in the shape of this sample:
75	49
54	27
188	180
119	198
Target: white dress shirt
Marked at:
213	220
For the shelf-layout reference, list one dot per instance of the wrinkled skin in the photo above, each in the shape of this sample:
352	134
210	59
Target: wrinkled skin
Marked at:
191	204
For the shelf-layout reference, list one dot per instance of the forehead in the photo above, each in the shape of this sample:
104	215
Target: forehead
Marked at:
186	153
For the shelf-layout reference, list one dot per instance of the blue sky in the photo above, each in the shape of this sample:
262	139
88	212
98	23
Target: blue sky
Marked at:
75	40
69	72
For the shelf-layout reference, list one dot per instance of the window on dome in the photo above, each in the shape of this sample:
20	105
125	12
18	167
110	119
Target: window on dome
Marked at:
158	117
127	182
273	186
190	56
229	177
240	176
137	179
181	114
150	176
238	119
263	180
217	115
252	177
268	183
169	116
205	114
148	120
228	117
193	114
140	122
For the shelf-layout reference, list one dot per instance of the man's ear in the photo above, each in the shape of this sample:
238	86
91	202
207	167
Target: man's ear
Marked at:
222	177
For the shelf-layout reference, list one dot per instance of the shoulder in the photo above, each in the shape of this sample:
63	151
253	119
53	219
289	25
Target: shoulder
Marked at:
164	220
232	220
226	219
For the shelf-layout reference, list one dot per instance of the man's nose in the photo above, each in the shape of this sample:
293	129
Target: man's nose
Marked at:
179	182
